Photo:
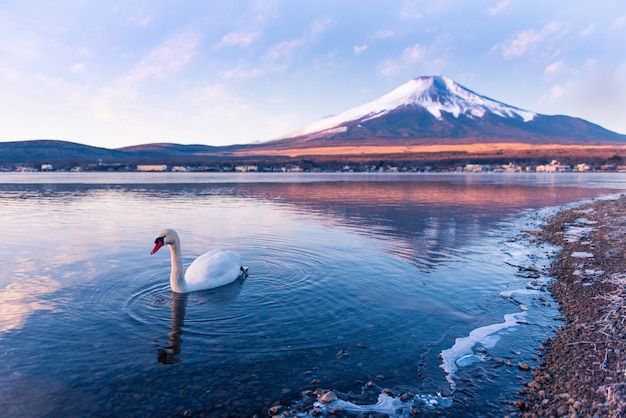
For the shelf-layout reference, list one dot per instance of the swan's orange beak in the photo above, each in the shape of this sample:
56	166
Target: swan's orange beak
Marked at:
158	243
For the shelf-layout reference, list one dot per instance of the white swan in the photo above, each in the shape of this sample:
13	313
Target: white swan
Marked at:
213	269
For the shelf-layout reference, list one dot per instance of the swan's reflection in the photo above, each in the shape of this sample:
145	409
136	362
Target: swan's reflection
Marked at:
217	299
170	354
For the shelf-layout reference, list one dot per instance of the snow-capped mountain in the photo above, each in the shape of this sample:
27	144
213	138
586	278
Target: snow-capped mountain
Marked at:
435	94
436	109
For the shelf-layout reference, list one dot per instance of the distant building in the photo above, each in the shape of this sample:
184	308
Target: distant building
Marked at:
246	168
476	168
583	167
152	167
47	167
553	167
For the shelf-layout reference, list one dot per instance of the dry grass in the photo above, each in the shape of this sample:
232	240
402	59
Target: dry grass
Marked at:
478	148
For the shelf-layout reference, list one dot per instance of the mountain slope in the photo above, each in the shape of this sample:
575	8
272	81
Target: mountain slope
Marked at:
49	151
437	110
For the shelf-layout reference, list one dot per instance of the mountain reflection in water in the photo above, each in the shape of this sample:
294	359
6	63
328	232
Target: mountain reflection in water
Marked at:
353	278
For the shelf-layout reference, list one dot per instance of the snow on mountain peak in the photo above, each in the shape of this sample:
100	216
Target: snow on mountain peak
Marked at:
436	94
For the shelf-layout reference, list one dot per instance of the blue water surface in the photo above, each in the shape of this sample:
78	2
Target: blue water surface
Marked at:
398	292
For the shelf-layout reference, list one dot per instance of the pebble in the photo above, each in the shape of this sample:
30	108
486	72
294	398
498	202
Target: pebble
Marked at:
534	385
274	410
328	397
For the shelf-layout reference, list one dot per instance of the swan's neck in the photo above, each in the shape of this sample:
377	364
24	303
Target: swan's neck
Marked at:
177	275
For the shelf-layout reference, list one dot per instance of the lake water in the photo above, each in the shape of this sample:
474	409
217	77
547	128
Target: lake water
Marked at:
374	286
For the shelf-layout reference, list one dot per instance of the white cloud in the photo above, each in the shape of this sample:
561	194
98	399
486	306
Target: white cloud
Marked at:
99	108
141	21
212	92
554	68
555	92
498	8
242	73
588	30
384	34
410	10
77	68
358	49
598	96
238	38
590	64
166	58
618	23
409	56
318	26
279	56
527	40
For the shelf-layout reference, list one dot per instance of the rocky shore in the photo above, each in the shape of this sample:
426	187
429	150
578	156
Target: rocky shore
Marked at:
583	373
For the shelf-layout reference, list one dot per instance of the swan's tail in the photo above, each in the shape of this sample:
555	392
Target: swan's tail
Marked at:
244	272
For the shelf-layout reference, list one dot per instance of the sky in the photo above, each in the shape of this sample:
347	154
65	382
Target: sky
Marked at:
120	73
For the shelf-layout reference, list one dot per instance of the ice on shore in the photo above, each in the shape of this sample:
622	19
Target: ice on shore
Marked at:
582	254
462	352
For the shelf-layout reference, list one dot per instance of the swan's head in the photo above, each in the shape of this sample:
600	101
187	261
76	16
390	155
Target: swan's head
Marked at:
166	237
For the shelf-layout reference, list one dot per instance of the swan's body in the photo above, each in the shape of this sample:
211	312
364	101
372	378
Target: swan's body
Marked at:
213	269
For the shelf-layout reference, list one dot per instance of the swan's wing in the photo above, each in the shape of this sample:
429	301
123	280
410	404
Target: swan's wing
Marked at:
213	269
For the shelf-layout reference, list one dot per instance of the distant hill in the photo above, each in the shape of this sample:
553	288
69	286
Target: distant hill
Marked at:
426	118
50	151
54	151
161	150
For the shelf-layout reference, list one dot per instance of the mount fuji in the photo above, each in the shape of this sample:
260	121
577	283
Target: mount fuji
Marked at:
427	118
435	110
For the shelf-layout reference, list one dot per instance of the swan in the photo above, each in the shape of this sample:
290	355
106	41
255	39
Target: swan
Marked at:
212	269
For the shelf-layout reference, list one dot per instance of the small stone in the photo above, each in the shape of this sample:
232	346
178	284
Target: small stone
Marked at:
274	410
406	396
523	367
328	397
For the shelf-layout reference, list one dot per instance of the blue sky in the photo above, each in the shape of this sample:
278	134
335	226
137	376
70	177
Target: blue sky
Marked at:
118	73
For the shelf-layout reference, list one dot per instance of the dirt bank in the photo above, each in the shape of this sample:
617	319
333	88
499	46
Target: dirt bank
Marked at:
584	369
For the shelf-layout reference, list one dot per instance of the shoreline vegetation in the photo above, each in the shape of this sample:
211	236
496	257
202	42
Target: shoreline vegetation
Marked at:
583	371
